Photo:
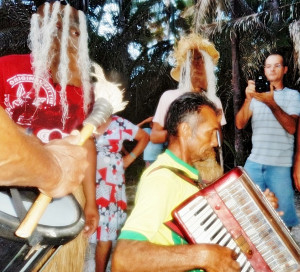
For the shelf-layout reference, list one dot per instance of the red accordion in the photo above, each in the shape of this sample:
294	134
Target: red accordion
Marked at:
233	212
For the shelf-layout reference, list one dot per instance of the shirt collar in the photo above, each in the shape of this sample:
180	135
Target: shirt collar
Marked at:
181	162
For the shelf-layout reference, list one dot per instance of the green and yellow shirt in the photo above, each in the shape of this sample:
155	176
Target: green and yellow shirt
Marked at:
159	192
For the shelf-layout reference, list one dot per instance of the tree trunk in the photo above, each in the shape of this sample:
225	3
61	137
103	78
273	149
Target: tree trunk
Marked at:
237	98
237	92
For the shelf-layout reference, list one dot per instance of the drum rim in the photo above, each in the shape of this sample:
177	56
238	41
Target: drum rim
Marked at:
54	235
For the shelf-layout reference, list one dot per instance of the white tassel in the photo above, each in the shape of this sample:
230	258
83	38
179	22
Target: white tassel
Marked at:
108	90
108	100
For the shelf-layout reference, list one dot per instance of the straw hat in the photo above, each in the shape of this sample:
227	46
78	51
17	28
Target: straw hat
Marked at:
190	42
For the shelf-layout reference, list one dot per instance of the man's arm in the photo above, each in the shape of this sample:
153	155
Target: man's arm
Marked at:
158	134
296	171
131	255
288	122
147	120
244	114
56	168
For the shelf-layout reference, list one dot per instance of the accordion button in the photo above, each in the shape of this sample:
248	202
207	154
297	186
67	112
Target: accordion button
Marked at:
249	252
217	207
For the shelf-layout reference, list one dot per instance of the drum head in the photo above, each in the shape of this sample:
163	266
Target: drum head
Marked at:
62	220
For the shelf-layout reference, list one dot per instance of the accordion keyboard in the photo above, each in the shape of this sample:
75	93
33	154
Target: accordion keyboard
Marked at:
258	228
205	227
233	212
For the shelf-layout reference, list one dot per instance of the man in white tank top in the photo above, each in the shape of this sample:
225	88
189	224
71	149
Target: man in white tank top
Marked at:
196	58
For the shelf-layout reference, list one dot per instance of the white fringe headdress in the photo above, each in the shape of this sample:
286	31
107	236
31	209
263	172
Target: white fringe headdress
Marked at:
182	54
42	33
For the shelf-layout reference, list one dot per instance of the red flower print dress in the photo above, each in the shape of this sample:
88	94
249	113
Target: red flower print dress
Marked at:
110	179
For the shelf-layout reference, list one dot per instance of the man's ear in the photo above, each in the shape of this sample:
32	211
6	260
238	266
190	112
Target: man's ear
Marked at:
219	115
184	130
285	69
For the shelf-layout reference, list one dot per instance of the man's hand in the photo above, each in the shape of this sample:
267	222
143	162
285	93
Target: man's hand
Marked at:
244	114
71	162
273	200
250	89
267	98
158	134
220	259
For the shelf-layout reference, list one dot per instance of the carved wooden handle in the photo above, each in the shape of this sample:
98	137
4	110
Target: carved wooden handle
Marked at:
33	216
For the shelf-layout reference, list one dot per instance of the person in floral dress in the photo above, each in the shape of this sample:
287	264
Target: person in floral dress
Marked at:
110	180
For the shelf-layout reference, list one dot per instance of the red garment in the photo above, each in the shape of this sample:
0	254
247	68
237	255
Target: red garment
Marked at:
18	98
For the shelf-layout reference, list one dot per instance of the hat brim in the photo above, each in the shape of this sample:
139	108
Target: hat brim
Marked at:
175	73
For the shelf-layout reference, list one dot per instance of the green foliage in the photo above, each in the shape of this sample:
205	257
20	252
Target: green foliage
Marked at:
14	27
148	26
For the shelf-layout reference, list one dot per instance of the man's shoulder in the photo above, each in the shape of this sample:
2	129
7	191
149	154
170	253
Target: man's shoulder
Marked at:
172	93
164	164
164	102
158	167
290	95
168	97
286	89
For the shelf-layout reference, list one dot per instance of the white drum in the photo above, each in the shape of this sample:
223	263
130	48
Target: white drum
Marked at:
62	221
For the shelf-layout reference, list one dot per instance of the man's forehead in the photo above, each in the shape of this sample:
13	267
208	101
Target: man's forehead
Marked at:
206	113
274	59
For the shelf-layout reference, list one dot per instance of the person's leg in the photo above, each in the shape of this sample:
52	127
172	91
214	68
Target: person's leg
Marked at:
279	181
103	247
256	173
103	250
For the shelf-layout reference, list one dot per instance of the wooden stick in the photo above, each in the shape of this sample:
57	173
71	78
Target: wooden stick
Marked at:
38	208
33	216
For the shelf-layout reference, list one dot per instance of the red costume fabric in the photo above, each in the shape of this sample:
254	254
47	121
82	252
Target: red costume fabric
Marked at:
17	97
